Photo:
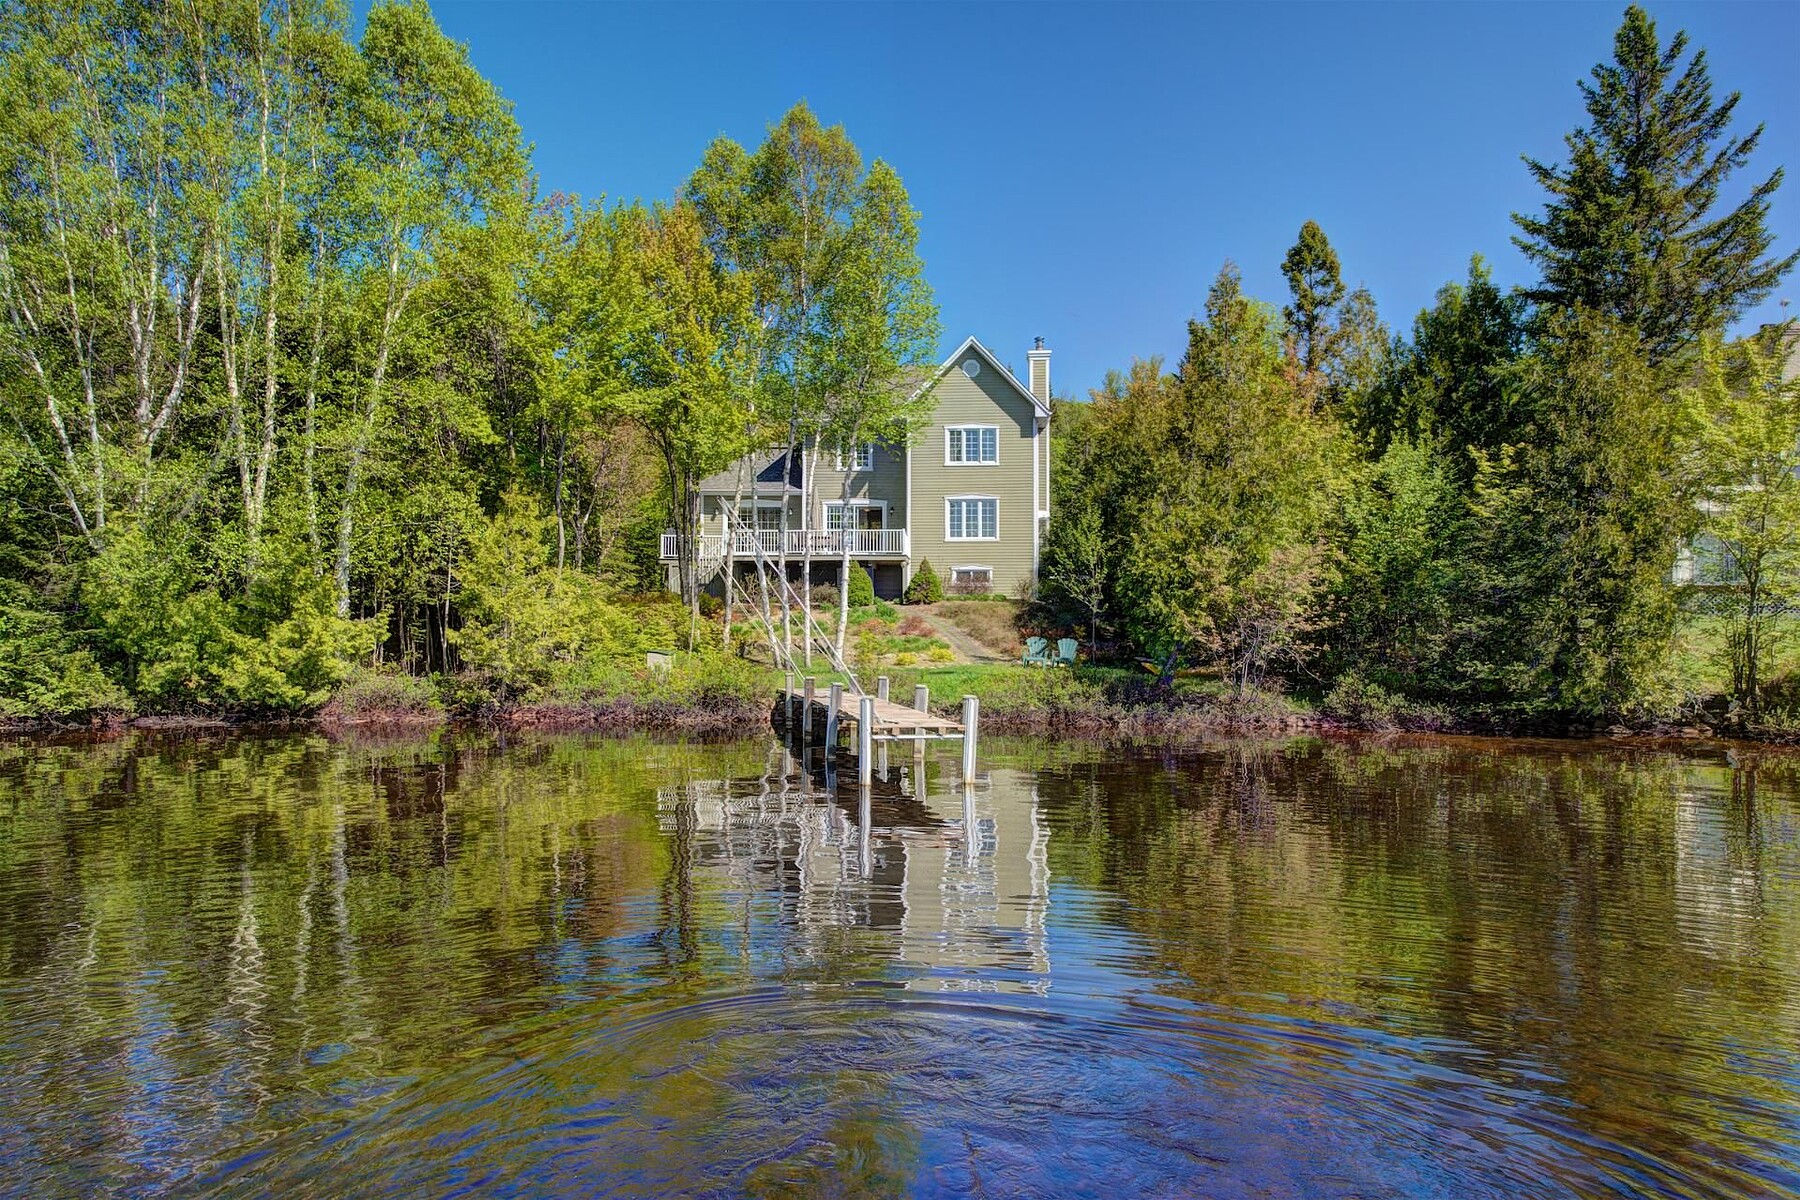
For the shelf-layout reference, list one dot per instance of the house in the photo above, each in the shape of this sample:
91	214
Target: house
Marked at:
971	494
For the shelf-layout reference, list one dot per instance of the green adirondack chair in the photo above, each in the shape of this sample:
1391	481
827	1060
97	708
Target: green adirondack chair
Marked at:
1037	653
1065	652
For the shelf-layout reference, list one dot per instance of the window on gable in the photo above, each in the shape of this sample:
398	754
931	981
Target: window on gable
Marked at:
973	518
970	444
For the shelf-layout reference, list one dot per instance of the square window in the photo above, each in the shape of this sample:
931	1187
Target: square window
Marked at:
972	444
973	518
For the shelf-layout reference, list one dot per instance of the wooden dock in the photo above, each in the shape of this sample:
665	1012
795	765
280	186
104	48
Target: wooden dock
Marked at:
876	719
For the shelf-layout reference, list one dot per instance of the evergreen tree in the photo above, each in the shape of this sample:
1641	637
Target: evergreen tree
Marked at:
1311	267
1220	482
1578	529
1629	227
1451	381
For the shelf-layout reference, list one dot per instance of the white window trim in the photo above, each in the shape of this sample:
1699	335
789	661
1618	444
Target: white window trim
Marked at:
972	567
971	462
948	500
848	462
881	504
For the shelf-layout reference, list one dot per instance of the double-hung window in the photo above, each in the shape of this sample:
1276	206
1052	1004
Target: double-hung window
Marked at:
971	445
973	519
857	458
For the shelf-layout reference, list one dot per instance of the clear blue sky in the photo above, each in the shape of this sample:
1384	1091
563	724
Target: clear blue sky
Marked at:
1083	170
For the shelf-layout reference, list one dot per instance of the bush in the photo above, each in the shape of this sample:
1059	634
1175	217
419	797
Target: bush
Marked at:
926	587
886	611
862	588
1355	699
825	597
916	626
373	694
906	658
711	605
43	673
941	654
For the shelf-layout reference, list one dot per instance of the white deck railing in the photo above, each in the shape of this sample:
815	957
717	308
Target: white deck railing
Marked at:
801	543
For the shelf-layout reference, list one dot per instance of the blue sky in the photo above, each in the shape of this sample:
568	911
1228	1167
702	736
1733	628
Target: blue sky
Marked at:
1083	170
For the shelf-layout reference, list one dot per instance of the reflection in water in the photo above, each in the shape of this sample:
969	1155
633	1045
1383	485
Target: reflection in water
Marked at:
560	966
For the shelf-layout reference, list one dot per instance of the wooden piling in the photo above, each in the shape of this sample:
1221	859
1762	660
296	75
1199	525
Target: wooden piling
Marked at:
831	717
806	713
881	687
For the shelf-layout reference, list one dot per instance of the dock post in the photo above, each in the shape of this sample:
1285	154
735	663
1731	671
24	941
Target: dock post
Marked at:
831	718
922	698
787	705
865	741
806	715
971	719
881	687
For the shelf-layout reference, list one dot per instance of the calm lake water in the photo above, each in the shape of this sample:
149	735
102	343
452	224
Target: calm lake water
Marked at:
569	966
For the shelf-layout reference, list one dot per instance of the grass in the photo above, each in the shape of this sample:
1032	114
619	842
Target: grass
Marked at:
992	623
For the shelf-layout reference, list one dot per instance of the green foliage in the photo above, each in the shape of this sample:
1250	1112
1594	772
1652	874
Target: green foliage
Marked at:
526	624
1746	419
861	592
44	671
1074	573
925	587
1628	229
1452	381
1579	528
187	645
1311	268
383	694
1399	611
1218	482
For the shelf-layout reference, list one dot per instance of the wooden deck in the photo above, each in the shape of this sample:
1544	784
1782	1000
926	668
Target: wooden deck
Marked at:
810	714
891	720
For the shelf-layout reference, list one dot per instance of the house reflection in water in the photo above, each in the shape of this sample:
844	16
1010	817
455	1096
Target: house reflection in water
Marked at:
951	887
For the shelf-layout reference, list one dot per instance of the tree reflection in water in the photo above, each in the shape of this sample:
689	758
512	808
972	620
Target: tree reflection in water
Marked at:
546	965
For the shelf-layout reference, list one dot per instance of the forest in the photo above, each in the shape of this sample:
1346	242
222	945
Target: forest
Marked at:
313	391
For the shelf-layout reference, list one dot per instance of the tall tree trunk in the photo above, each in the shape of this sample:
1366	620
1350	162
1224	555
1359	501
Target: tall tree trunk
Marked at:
396	302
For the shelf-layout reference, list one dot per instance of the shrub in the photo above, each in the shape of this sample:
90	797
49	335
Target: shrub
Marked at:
916	626
374	694
862	588
941	654
906	658
711	605
825	597
886	611
926	587
1353	698
42	670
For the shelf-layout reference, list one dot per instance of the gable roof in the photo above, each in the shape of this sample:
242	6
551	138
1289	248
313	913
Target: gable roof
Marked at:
987	356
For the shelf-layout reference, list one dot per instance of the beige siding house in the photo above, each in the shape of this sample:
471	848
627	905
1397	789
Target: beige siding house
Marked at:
971	494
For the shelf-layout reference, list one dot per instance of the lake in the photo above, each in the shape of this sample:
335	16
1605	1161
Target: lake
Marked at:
477	964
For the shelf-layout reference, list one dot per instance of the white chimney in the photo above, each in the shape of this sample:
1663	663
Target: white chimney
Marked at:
1039	359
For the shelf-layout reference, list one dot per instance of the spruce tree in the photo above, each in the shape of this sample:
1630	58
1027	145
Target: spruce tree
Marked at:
1311	267
1629	228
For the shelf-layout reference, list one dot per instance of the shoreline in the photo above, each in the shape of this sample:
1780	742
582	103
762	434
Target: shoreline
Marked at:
1104	721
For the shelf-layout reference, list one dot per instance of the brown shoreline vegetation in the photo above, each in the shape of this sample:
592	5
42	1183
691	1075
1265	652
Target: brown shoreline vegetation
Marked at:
1144	717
